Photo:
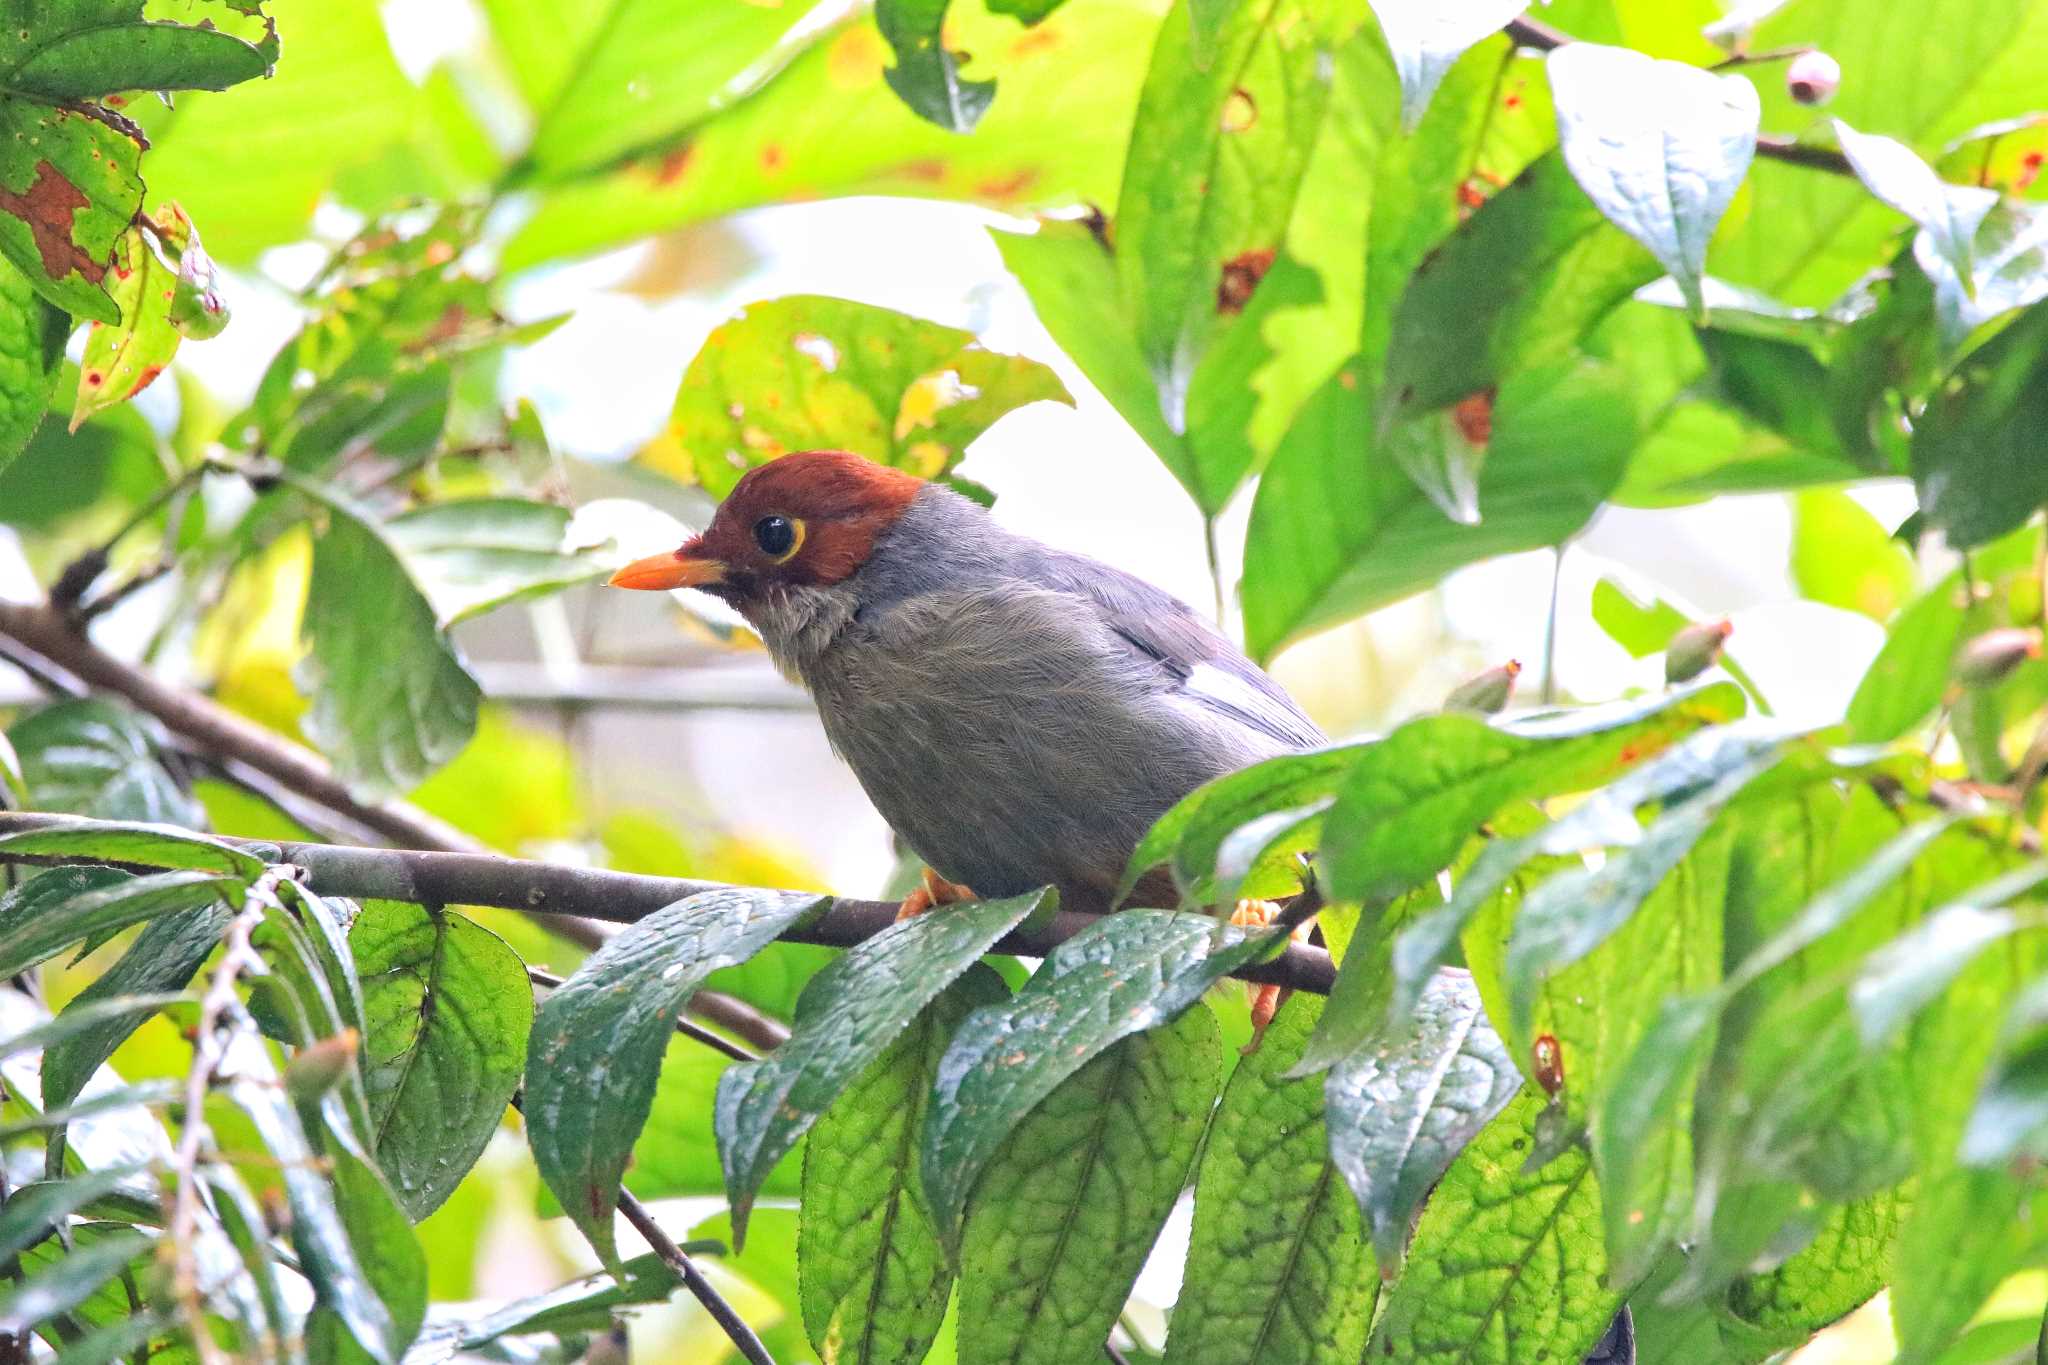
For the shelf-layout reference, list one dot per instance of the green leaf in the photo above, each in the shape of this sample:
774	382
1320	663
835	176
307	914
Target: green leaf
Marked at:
926	76
598	1041
1503	1258
1070	1204
104	47
122	359
1427	40
849	1013
1842	556
65	1285
1977	453
1907	974
1072	280
76	1017
1413	799
1399	1115
381	1234
1967	1231
1218	150
391	702
1660	147
68	189
473	555
874	1278
1844	1266
32	336
1907	678
587	1304
447	1008
2011	1113
162	846
97	758
814	373
1515	288
48	913
1126	973
1948	214
1191	834
1278	1266
1333	535
34	1210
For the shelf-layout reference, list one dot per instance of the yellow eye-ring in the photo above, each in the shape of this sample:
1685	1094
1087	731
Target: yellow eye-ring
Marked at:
779	537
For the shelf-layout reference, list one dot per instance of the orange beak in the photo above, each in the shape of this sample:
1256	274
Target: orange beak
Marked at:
663	572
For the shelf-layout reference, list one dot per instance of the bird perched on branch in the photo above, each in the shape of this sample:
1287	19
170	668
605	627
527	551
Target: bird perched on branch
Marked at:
1019	715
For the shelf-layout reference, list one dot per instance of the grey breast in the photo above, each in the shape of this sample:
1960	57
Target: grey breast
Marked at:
1021	717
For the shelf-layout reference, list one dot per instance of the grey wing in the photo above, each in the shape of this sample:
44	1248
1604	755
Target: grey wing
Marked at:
1194	660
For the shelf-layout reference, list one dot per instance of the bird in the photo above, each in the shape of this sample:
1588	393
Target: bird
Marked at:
1020	715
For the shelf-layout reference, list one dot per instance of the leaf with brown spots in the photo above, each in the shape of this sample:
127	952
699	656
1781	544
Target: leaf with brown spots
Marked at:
122	359
68	189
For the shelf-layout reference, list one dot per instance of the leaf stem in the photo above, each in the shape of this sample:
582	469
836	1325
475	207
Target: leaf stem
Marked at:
730	1322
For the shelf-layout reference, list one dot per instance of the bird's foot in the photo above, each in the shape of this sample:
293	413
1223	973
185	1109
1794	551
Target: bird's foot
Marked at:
1265	1000
933	890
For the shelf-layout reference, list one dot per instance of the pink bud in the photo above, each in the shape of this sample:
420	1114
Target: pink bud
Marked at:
1813	78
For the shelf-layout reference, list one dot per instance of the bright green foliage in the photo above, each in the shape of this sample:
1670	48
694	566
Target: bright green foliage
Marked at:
1842	556
122	359
1067	1207
31	350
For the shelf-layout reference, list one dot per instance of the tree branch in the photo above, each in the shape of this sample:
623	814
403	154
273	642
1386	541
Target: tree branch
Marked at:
734	1326
625	897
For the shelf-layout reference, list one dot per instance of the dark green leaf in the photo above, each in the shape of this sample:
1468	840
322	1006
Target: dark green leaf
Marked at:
926	75
811	373
66	1284
1074	1197
1659	146
447	1008
32	336
2011	1114
1978	459
391	702
391	1256
1400	1114
1191	835
598	1041
96	758
33	1210
875	1279
473	555
164	846
139	1094
77	1017
582	1305
1278	1266
48	913
83	52
1127	973
1513	289
849	1013
1503	1258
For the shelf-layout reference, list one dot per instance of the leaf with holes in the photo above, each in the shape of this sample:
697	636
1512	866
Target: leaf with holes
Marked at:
847	1015
1073	1199
447	1008
598	1041
1399	1114
1661	147
810	373
97	758
927	76
875	1279
1278	1264
1126	973
1500	1253
122	359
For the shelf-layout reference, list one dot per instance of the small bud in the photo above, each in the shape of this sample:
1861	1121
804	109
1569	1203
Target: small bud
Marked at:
319	1068
1486	693
1989	657
1695	649
1813	78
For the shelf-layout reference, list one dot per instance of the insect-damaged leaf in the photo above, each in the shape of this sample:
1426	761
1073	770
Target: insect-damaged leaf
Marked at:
598	1041
122	359
926	75
69	188
848	1014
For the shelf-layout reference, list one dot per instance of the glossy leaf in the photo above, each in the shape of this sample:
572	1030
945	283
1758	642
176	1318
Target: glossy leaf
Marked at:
813	373
1399	1114
391	702
1427	39
473	555
1278	1264
1071	1202
1661	147
598	1041
1913	969
848	1014
1128	972
874	1278
96	758
50	912
1190	836
122	359
447	1008
35	1209
160	846
32	336
1502	1253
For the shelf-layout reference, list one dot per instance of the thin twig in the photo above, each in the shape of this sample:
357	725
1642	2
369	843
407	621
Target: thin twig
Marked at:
694	1032
1116	1357
734	1326
623	898
1762	56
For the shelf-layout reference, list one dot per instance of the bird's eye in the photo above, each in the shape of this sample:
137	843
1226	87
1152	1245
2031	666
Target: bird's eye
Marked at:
778	537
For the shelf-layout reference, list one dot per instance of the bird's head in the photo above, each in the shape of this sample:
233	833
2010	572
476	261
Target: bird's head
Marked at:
806	520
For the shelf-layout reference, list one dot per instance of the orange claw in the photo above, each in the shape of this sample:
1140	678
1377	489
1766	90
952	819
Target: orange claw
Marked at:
1265	1000
933	890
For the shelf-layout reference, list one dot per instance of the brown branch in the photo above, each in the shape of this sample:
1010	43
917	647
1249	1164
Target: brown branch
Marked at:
729	1322
1533	33
627	897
